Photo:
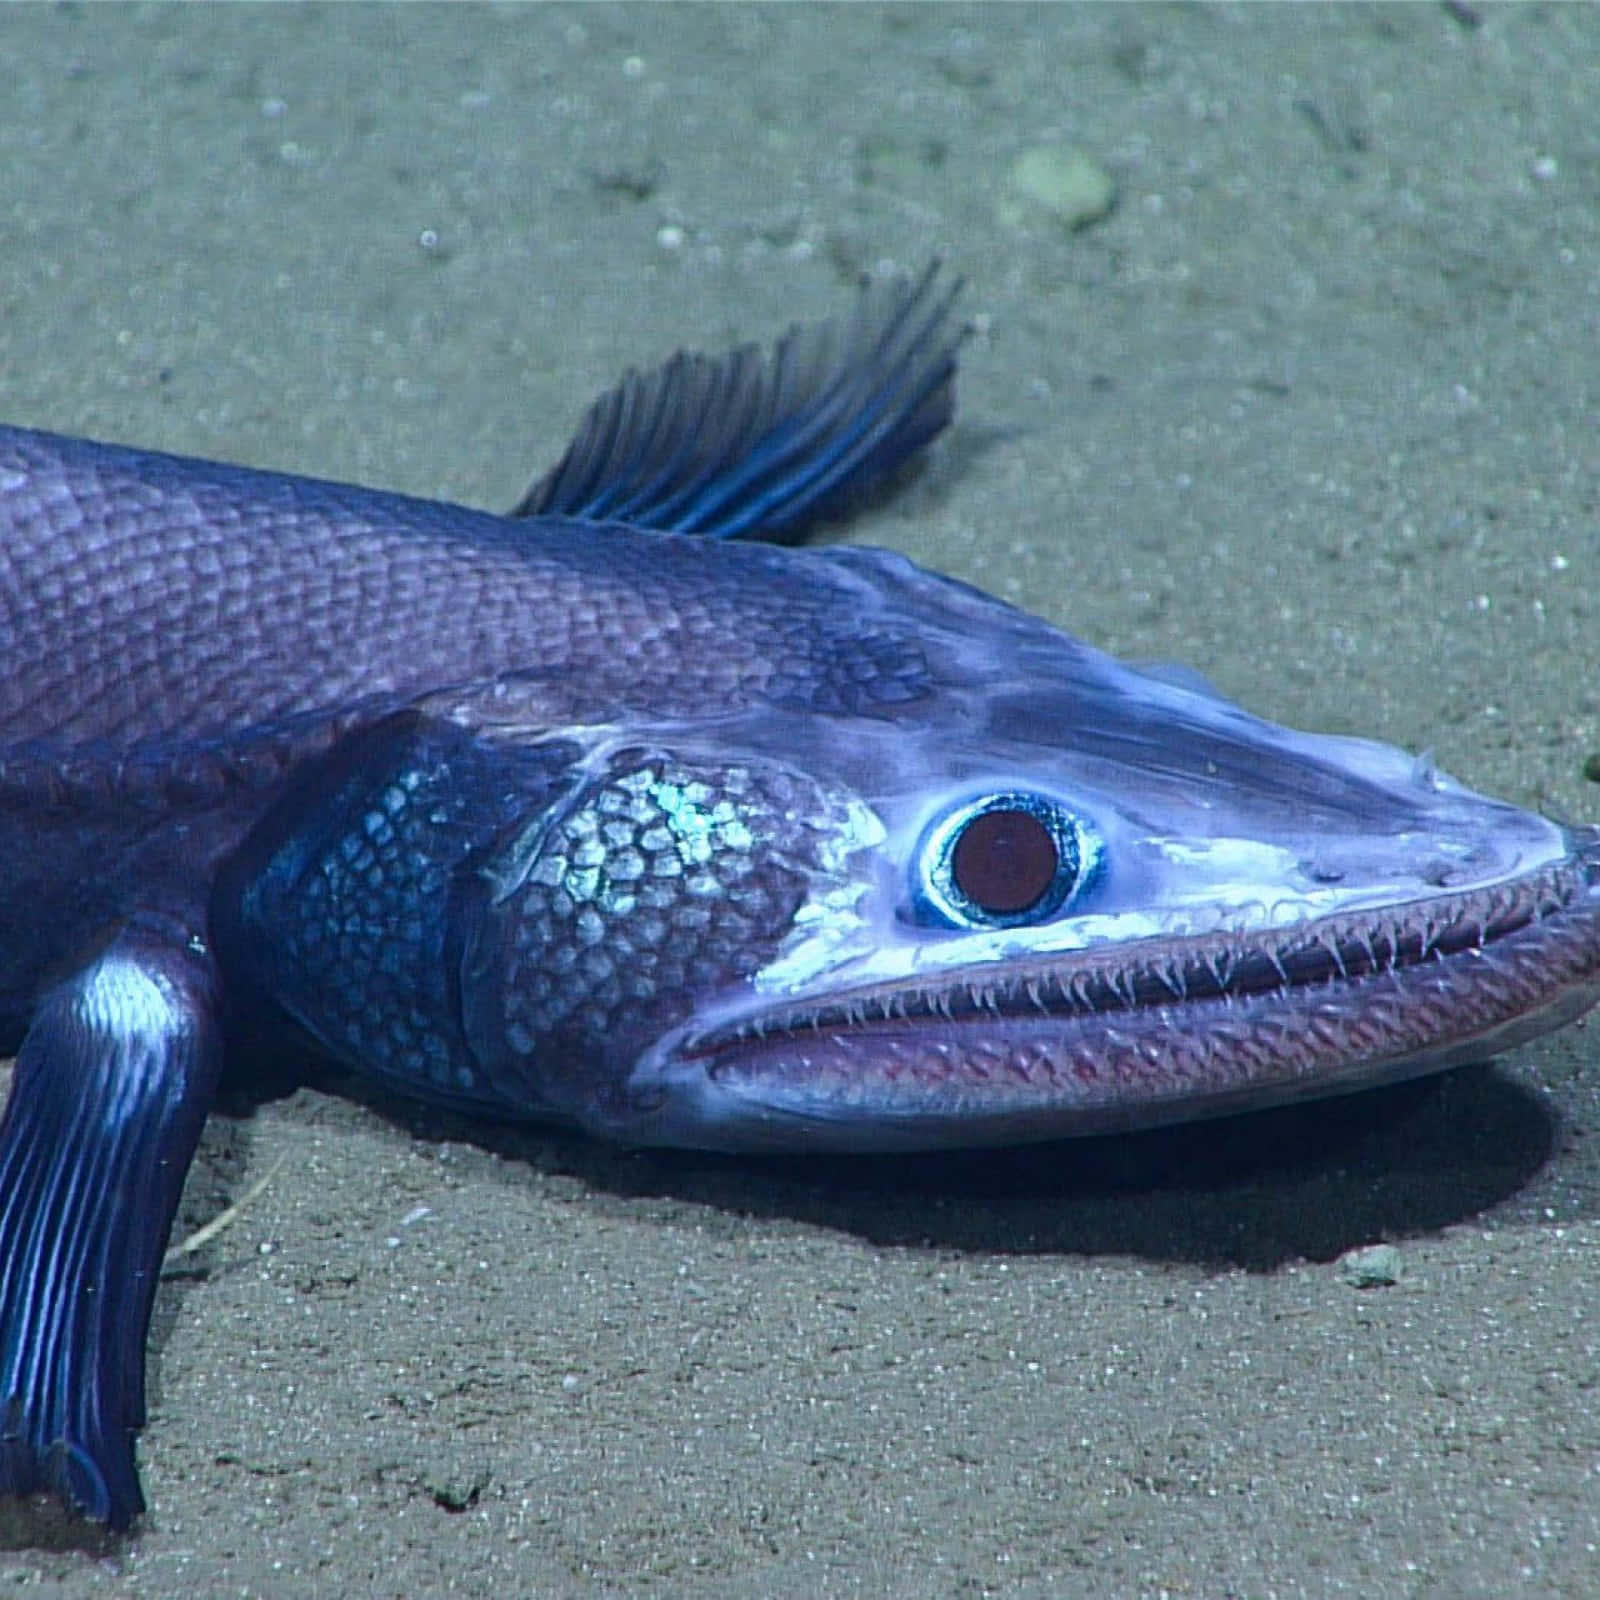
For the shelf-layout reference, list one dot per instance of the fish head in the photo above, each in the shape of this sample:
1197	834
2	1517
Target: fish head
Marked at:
1024	891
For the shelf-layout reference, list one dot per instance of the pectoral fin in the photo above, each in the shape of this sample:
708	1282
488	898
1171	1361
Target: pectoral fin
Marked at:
112	1084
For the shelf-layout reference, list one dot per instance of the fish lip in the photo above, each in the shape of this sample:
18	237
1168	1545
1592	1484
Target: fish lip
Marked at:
1185	968
1169	1029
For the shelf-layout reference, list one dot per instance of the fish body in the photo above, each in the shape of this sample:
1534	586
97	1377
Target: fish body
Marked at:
594	813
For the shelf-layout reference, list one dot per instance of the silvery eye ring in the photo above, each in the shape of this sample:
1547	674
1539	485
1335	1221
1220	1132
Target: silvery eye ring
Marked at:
1003	861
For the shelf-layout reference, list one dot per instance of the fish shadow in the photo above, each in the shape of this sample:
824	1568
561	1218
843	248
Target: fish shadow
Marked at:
1254	1191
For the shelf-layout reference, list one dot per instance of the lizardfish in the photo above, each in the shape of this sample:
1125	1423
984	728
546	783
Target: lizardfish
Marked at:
591	812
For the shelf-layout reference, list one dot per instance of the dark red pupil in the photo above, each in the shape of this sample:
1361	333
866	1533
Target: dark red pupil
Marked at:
1004	861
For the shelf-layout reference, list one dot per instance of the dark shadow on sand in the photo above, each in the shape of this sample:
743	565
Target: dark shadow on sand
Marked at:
1253	1192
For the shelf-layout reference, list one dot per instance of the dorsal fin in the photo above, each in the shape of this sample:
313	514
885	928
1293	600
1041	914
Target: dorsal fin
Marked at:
760	445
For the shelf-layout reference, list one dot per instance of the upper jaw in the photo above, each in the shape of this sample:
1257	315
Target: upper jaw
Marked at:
1122	1036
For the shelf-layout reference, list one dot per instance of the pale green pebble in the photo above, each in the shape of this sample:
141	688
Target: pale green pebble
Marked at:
1376	1266
1063	182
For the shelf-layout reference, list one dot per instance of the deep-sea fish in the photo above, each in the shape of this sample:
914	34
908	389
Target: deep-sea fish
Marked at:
593	812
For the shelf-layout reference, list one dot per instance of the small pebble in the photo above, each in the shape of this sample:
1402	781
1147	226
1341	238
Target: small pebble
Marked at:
1376	1266
1060	181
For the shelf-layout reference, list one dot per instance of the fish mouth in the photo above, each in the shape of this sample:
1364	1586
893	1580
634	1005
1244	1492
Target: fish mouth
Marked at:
1127	1036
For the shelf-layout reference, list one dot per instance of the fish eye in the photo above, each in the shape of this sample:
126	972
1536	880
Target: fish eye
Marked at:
1004	861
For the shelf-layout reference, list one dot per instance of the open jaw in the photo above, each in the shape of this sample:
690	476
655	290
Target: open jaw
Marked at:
1124	1036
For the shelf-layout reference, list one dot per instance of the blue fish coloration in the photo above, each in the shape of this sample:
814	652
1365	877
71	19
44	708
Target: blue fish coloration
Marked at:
593	812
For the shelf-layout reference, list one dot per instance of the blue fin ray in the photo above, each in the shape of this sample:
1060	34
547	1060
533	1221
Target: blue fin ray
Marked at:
112	1084
759	445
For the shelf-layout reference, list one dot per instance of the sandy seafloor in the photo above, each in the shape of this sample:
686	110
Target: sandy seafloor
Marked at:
1313	410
